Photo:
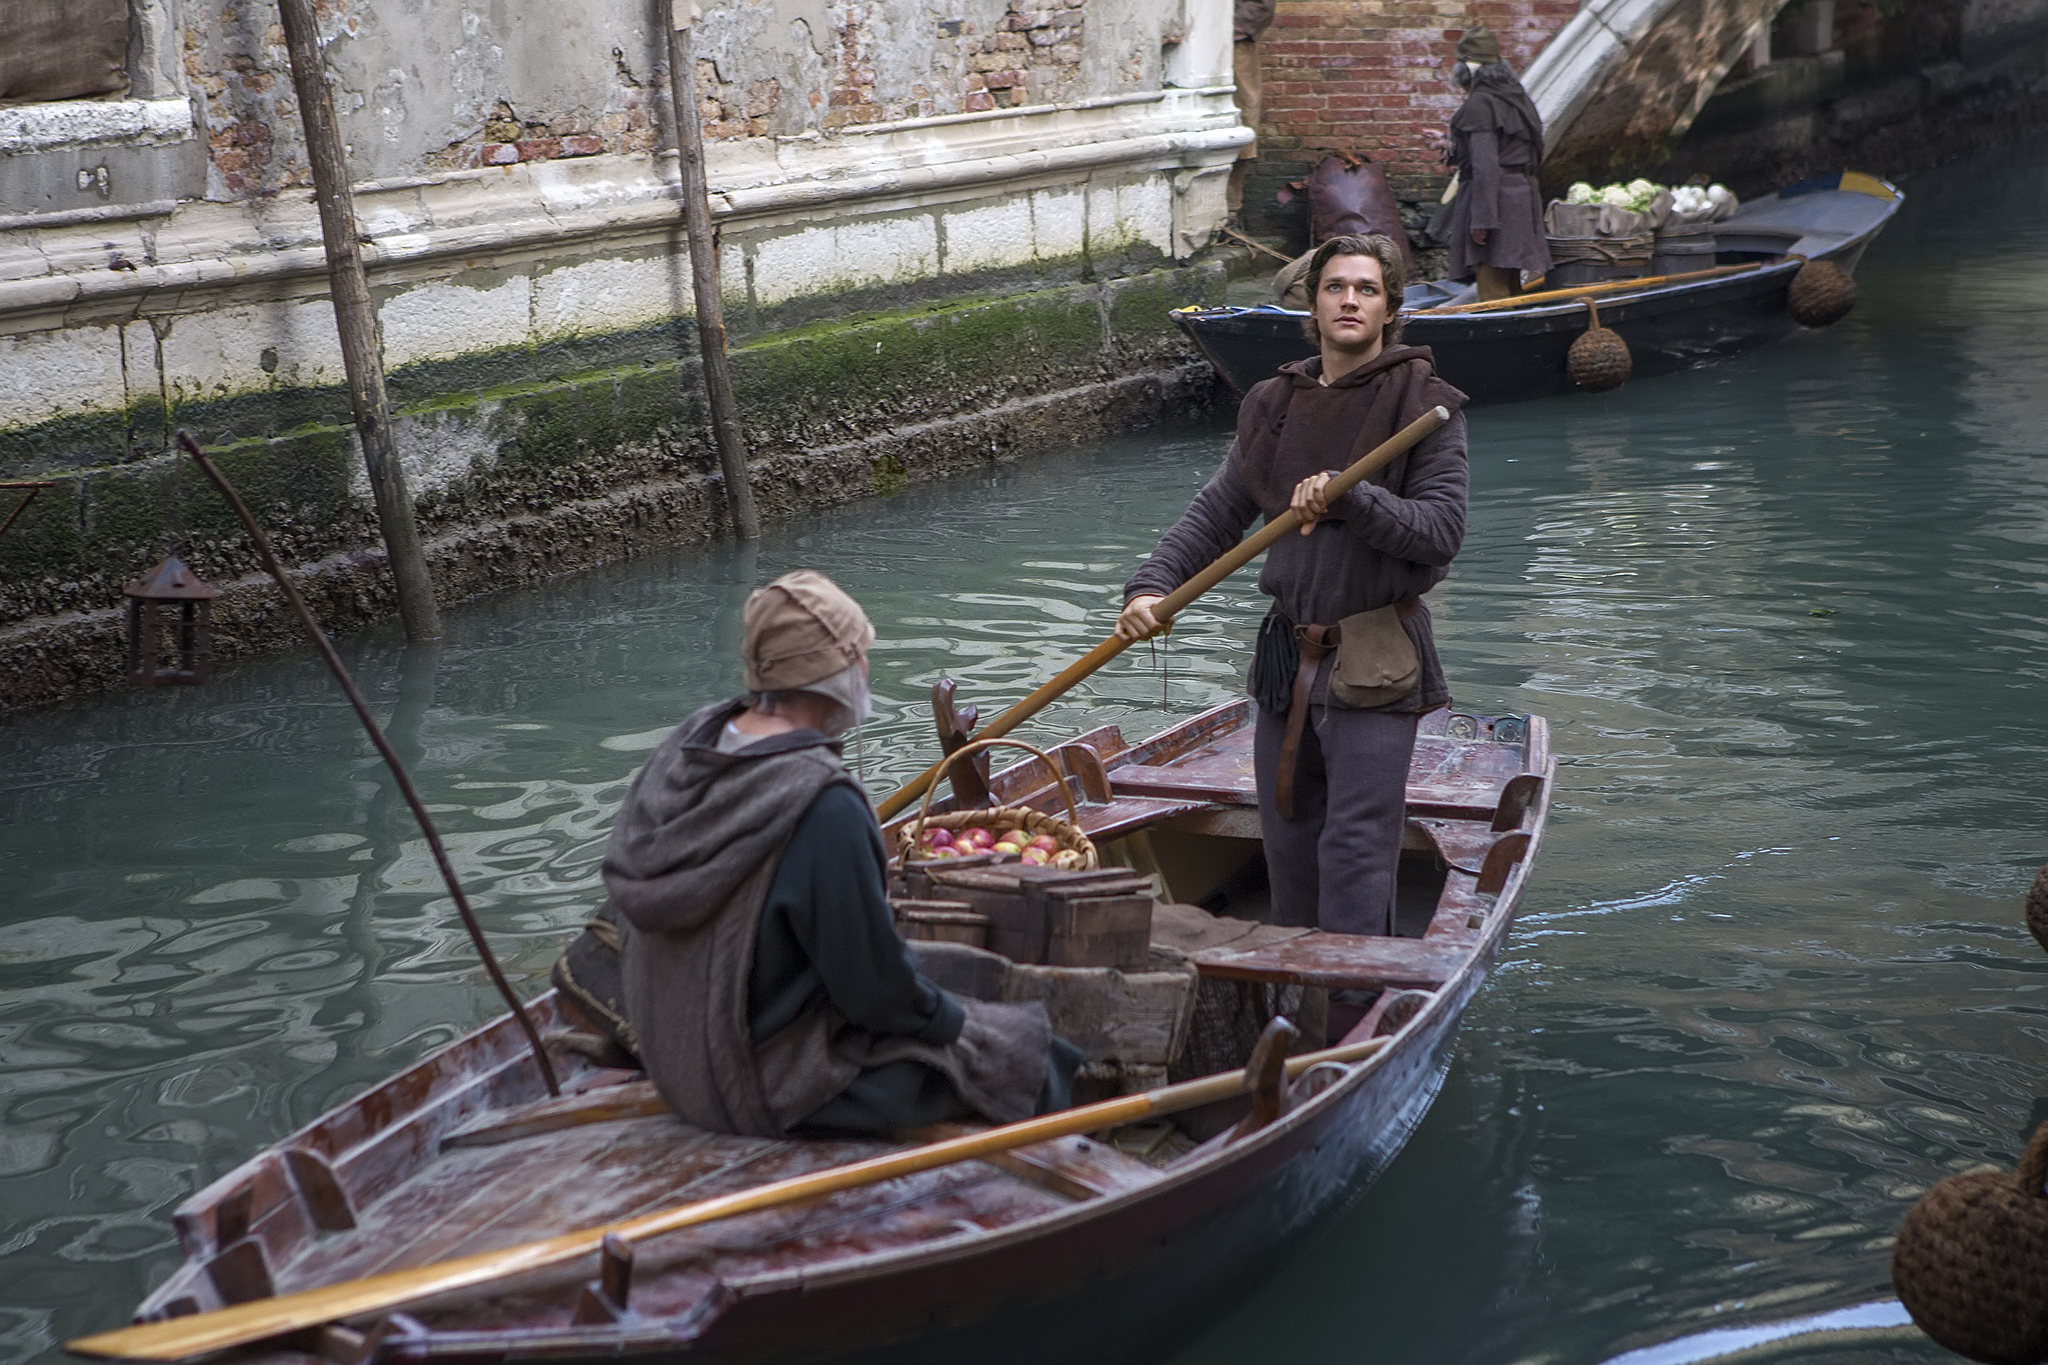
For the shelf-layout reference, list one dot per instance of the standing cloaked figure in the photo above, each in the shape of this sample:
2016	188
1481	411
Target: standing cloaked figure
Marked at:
1346	662
1496	144
1249	19
747	954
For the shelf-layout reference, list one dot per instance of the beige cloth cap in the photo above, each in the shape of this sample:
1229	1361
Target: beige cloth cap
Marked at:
801	629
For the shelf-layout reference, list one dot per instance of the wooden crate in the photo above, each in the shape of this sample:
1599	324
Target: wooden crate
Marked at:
940	921
1100	918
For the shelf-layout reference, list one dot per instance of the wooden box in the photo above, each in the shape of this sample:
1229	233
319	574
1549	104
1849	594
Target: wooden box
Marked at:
940	921
1108	926
1100	918
1125	1023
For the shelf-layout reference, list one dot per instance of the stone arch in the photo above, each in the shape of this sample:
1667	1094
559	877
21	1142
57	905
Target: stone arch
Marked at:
1623	79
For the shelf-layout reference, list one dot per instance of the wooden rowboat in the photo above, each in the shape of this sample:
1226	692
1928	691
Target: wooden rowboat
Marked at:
1070	1249
1519	353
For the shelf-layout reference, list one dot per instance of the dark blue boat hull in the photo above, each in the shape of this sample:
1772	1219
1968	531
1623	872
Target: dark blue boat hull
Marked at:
1513	355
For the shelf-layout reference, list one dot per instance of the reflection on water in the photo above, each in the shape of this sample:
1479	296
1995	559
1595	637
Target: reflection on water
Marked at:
1788	616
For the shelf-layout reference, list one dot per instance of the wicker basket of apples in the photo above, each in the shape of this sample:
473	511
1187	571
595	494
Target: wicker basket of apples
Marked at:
1031	836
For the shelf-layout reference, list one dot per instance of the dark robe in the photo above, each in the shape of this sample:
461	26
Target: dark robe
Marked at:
1497	146
1390	538
1334	862
827	933
694	861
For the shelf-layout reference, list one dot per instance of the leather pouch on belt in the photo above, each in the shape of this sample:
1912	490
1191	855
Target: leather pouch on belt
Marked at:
1376	661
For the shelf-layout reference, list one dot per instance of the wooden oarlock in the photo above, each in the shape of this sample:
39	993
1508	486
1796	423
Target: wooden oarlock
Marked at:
1267	1072
242	1324
1174	602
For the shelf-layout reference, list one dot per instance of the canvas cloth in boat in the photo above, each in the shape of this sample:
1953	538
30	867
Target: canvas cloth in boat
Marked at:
688	868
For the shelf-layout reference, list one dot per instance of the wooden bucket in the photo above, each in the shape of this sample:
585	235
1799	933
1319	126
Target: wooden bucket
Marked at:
1594	260
1681	250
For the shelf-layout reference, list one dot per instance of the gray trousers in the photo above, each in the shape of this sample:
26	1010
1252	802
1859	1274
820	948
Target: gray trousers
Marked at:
1333	866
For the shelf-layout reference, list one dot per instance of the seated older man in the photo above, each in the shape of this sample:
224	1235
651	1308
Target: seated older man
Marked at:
764	984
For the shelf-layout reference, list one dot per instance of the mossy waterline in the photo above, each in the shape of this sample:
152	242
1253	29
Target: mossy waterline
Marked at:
525	463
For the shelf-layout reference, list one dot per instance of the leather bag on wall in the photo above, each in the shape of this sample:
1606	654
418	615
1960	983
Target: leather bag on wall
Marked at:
1348	194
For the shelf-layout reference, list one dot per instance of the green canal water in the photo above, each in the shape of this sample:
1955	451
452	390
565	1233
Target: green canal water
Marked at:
1788	617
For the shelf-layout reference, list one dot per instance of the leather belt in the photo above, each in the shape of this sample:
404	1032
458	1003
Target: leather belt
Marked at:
1316	643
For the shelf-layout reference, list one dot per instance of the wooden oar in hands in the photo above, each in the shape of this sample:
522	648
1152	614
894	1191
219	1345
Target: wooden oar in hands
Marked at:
244	1324
1164	610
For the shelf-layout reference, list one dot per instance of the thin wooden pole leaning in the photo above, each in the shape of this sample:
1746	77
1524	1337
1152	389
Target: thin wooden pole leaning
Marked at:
704	284
244	1323
362	356
1249	549
386	752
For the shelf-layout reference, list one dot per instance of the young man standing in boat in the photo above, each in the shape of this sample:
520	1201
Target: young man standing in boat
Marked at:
1346	662
763	983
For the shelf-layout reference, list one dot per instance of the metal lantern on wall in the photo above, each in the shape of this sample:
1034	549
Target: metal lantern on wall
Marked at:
170	626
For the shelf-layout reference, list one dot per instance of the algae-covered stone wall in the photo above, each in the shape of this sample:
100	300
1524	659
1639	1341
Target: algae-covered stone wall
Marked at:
544	460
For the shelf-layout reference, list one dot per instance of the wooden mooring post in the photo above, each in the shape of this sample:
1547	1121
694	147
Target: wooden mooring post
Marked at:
362	356
680	15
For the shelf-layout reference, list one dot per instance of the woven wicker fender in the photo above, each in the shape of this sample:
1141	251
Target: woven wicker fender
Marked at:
1971	1262
1077	850
1822	293
1599	359
2037	907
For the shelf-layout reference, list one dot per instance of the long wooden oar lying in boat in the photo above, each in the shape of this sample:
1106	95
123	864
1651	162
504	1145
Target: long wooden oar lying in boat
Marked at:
261	1319
1165	609
1580	291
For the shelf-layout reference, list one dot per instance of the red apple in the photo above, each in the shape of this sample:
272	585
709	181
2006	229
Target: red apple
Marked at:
937	838
1046	842
1038	857
976	836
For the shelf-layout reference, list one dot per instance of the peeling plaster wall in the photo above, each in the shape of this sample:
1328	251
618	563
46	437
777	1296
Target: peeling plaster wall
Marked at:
495	82
512	194
418	89
890	179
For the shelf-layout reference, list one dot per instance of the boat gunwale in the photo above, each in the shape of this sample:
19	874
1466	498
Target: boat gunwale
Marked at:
1478	957
496	1045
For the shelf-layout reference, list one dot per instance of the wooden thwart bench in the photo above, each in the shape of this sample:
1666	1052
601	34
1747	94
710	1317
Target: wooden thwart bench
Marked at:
1339	961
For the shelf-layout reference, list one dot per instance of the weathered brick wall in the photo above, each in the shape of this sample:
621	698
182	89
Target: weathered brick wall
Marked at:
1369	76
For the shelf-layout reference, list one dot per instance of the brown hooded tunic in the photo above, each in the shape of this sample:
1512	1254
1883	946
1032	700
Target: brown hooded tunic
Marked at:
688	869
1390	538
1497	146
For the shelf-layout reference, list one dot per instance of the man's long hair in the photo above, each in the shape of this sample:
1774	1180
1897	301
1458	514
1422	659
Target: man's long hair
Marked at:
1393	276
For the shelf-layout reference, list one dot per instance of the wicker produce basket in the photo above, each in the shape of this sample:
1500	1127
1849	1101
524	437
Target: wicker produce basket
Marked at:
1076	852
